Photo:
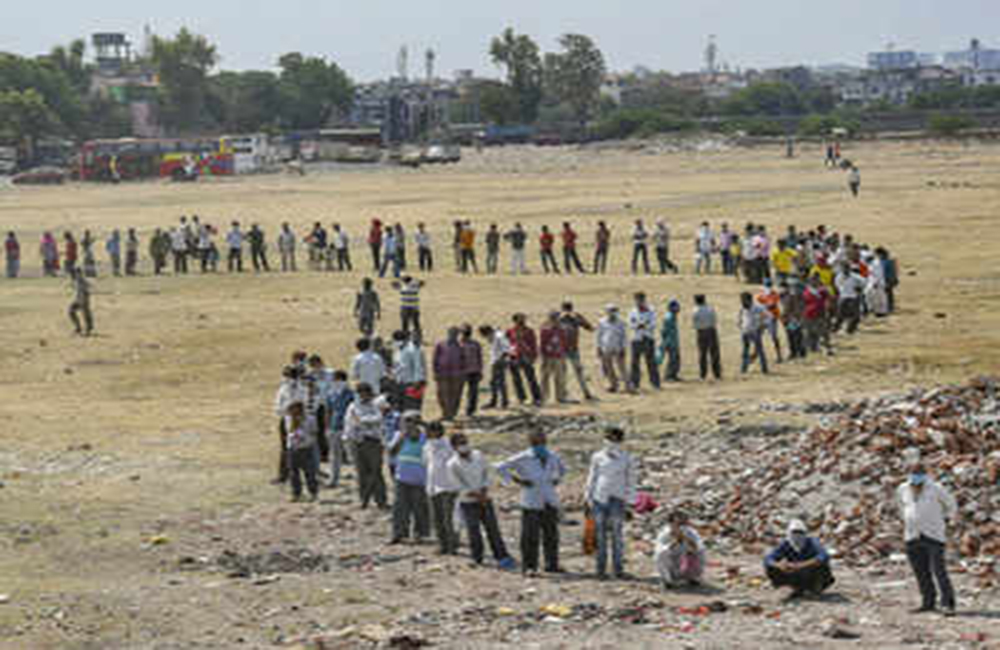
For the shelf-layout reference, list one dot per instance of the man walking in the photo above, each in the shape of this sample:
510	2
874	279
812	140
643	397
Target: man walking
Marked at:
538	471
81	304
926	507
642	322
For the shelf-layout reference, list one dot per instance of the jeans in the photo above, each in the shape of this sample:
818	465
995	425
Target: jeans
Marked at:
663	259
644	349
387	259
571	259
443	511
425	259
13	267
410	506
343	260
88	317
492	260
755	342
527	368
258	255
472	393
498	384
673	369
601	259
549	263
303	461
235	261
850	312
517	264
610	520
927	561
540	527
574	361
478	514
640	250
708	350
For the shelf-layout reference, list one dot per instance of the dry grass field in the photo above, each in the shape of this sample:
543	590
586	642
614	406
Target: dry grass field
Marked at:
163	421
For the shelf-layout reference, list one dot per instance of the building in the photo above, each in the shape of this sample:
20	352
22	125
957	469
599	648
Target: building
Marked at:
893	60
117	76
895	86
975	57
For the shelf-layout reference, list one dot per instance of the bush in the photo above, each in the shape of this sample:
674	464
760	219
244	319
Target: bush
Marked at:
754	126
949	125
640	122
822	125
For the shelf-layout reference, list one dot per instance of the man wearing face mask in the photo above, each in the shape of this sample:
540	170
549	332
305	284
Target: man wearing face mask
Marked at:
926	507
611	488
538	471
799	562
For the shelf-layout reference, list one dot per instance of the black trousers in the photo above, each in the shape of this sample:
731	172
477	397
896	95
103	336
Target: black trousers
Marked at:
640	251
498	384
303	462
482	515
644	350
815	579
131	261
663	259
344	260
425	259
410	507
259	257
443	517
283	457
376	256
409	318
549	263
708	352
527	369
180	263
571	260
469	261
88	317
371	481
322	441
850	313
672	370
540	527
927	561
472	393
235	260
601	259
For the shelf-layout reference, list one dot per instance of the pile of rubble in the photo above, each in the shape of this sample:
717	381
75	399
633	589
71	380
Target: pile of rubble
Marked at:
841	477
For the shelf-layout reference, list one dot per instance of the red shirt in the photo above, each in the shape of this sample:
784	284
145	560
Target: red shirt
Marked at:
568	238
554	343
375	234
523	343
815	299
71	251
547	240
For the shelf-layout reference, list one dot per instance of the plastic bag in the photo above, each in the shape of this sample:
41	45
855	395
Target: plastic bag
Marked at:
589	535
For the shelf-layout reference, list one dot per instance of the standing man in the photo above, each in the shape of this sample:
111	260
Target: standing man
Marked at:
553	347
471	473
389	256
854	180
472	369
375	243
338	399
538	471
704	245
572	322
409	305
640	247
367	367
159	248
449	374
363	428
523	353
113	246
409	370
769	298
442	488
467	244
71	253
611	489
751	324
517	239
367	307
425	253
131	252
258	249
725	248
342	247
12	250
705	326
410	504
570	258
926	508
81	303
611	339
661	241
850	286
286	246
670	342
546	242
234	241
499	348
642	322
492	249
179	249
602	244
317	246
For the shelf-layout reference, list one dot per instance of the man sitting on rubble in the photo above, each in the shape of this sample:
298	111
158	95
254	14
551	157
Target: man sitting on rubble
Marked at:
680	553
799	562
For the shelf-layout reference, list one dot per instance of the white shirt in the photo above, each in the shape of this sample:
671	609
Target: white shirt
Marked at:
437	454
290	391
472	475
499	347
643	324
422	239
409	366
235	239
178	241
661	236
706	240
340	240
612	475
927	515
363	421
849	285
611	335
544	478
286	241
368	368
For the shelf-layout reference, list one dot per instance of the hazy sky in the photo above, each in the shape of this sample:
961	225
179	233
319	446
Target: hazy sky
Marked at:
364	36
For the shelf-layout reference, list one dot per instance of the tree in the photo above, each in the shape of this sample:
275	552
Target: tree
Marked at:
769	98
519	55
575	75
69	60
24	115
498	103
312	91
242	102
52	84
183	64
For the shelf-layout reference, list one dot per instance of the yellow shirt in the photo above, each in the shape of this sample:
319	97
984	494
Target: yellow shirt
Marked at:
825	275
784	260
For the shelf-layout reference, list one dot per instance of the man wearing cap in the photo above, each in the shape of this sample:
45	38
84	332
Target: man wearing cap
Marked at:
611	489
611	339
410	503
926	507
538	471
799	562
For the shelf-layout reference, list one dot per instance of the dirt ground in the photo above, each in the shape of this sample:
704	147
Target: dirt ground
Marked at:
131	461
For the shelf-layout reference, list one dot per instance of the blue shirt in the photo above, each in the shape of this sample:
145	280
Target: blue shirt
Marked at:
785	551
336	406
544	478
410	468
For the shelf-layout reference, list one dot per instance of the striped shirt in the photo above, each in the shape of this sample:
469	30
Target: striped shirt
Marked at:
409	295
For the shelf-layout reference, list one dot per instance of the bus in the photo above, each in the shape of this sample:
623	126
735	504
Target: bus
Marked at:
133	159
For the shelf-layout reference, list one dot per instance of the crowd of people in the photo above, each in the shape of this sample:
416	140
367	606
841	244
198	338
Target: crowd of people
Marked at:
443	487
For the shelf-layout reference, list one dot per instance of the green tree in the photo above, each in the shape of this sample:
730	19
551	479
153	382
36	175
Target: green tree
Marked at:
24	116
575	75
182	64
70	61
242	102
312	91
52	84
769	98
519	55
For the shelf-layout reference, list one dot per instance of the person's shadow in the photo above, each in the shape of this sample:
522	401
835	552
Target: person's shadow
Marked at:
978	614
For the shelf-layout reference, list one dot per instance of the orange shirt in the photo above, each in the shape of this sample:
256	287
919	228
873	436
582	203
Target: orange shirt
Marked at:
771	301
467	239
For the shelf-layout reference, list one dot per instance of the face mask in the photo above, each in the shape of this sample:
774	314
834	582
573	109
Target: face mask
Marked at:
798	539
464	450
611	445
918	478
540	451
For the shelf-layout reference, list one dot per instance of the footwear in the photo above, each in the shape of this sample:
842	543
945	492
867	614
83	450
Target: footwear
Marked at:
507	564
332	485
603	577
395	541
296	498
948	612
923	609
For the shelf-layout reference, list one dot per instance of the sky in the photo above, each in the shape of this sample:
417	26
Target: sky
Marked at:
364	36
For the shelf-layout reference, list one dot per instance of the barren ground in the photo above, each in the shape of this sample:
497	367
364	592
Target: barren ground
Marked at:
130	458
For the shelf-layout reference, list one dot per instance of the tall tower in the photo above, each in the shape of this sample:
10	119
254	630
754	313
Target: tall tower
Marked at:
429	57
711	56
403	63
